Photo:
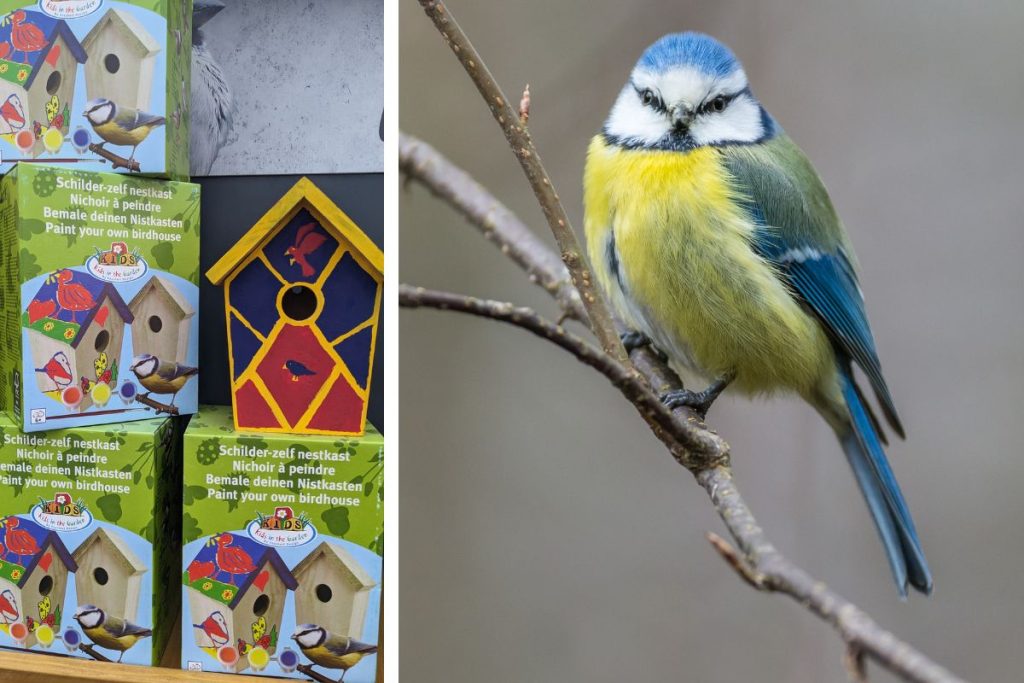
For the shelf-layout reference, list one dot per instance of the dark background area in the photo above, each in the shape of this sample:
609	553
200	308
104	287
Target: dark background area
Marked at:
230	206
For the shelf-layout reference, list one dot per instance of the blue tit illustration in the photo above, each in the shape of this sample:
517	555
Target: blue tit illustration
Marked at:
713	237
297	369
120	125
161	377
213	109
109	632
331	651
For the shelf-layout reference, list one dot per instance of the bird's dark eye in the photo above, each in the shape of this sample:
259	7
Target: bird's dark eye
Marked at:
718	104
647	97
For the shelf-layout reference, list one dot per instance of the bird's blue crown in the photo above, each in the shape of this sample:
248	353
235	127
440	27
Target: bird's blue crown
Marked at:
689	49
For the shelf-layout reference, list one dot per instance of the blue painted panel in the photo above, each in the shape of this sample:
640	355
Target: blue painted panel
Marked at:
355	351
349	295
254	293
244	345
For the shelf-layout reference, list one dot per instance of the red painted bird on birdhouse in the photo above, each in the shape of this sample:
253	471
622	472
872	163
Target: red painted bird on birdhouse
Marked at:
306	242
72	296
231	560
215	627
8	607
26	37
20	543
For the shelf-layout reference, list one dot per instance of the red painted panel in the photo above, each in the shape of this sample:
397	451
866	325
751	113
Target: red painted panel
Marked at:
294	369
341	411
253	411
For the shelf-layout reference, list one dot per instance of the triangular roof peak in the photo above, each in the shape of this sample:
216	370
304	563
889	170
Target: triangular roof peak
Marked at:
172	293
303	195
114	540
126	22
338	555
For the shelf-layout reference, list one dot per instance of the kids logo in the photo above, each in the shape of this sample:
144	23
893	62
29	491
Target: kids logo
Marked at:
69	9
117	264
282	529
63	513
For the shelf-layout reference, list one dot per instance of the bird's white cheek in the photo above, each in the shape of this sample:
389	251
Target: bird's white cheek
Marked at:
740	122
631	120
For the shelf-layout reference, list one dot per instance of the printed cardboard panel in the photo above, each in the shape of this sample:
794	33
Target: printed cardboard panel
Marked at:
88	540
101	284
283	551
96	84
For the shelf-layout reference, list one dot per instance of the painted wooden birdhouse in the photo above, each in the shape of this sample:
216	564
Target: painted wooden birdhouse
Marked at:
237	591
163	321
109	574
333	592
122	57
302	294
39	58
75	328
33	576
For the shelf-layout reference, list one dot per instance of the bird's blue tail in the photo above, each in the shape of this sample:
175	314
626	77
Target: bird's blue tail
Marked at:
864	451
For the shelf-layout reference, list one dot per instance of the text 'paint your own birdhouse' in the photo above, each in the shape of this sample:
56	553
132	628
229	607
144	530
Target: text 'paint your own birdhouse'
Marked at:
302	296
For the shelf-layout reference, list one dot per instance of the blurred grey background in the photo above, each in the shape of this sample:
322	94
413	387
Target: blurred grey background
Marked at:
546	535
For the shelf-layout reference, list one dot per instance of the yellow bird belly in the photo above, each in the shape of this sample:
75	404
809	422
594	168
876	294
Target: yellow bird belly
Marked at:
324	657
101	637
115	134
670	244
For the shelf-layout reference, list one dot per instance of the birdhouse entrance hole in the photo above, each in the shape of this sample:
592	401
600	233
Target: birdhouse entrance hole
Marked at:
45	585
324	593
299	302
102	339
53	83
112	63
101	576
260	606
155	323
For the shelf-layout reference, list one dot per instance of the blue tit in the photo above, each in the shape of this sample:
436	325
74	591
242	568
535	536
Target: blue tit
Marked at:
161	377
120	125
213	109
109	632
329	650
713	237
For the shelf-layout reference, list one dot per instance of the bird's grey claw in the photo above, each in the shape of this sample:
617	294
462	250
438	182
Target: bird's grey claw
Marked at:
699	401
633	340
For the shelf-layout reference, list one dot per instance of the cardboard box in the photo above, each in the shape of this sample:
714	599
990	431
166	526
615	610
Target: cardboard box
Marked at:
88	520
96	85
281	531
100	294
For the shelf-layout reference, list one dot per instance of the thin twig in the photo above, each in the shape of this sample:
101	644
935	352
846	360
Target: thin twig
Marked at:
522	145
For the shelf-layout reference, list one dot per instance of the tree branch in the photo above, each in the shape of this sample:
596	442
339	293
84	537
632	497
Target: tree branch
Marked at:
522	145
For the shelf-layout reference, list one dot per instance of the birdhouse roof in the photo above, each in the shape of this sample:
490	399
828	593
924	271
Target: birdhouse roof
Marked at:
173	293
103	537
21	73
44	539
127	24
205	562
303	195
339	557
68	326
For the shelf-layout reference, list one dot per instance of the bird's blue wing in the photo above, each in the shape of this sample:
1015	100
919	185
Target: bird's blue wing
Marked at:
132	119
169	371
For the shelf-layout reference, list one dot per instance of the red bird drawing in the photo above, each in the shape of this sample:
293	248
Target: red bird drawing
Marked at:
306	242
19	542
216	629
72	296
8	607
25	37
58	369
231	560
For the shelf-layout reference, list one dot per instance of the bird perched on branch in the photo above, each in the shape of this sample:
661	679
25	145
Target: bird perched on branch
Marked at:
713	237
108	631
120	125
329	650
213	108
161	377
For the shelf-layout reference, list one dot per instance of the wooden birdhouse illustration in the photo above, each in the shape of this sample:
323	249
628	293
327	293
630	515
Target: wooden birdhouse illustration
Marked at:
122	57
333	592
237	591
163	320
75	326
302	296
39	58
34	566
109	574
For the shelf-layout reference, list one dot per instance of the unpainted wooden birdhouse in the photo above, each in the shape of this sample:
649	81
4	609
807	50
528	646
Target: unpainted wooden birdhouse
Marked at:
34	567
333	592
163	321
237	591
109	574
302	293
122	58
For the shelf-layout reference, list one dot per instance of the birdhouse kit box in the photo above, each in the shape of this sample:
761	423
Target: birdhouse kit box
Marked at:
96	84
89	540
302	292
100	297
283	551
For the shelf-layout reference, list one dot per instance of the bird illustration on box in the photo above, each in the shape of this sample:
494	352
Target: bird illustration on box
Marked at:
215	627
72	296
119	125
307	240
26	37
713	237
329	650
297	370
19	542
230	559
8	607
12	113
109	632
58	369
161	377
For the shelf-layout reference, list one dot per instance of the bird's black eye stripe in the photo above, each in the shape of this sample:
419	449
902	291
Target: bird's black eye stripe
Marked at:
649	98
720	102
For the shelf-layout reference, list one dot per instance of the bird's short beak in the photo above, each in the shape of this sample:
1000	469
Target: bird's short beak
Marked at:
291	261
682	117
293	637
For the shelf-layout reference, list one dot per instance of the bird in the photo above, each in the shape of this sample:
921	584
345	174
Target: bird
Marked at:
58	369
72	296
120	125
297	370
232	560
216	629
327	649
307	240
19	542
12	113
108	631
25	36
8	607
213	106
161	377
713	238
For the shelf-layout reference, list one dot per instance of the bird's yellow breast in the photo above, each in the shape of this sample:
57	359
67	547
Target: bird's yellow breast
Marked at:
670	243
112	132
